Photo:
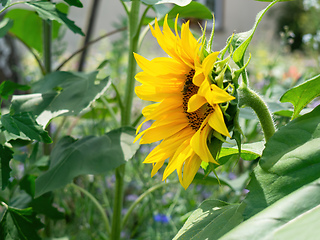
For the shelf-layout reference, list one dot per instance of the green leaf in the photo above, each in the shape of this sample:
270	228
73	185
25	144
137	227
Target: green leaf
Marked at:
27	184
208	180
5	157
302	94
241	41
77	92
5	2
7	88
75	3
43	205
28	27
177	2
20	224
26	123
290	160
295	216
211	220
192	10
48	11
90	155
5	25
249	152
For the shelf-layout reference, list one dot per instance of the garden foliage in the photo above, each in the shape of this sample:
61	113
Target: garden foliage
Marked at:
281	171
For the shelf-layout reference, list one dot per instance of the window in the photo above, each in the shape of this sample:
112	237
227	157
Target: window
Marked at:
216	6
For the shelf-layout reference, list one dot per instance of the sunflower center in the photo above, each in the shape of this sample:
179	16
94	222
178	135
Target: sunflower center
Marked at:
195	118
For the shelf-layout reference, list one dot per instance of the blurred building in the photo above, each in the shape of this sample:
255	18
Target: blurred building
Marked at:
231	16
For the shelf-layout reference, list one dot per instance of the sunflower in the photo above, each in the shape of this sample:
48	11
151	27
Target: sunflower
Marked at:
187	111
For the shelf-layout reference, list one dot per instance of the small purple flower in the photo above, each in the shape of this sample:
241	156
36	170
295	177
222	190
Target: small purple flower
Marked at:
162	218
232	176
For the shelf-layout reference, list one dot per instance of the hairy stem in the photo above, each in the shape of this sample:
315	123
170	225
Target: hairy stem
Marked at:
247	97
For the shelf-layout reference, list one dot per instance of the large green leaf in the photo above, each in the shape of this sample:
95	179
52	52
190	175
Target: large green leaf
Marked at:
5	25
192	10
48	11
5	157
211	220
89	155
177	2
290	160
28	27
19	224
76	91
294	217
241	41
26	123
301	95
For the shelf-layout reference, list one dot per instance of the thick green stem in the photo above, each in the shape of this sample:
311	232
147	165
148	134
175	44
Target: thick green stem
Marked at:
126	115
96	203
247	97
47	35
117	205
133	47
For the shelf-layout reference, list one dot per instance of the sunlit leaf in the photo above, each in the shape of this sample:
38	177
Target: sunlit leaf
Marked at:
249	152
26	123
303	94
48	11
177	2
290	160
19	224
5	25
240	41
296	216
211	220
90	155
5	157
192	10
76	91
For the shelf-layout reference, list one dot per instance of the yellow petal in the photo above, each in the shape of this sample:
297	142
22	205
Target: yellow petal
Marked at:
161	66
208	63
191	167
198	78
199	143
154	134
195	102
216	121
156	167
183	152
213	93
167	147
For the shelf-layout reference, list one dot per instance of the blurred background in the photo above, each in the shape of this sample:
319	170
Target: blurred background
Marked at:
285	52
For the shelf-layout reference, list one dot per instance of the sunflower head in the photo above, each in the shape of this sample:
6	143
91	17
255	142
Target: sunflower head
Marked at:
192	97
